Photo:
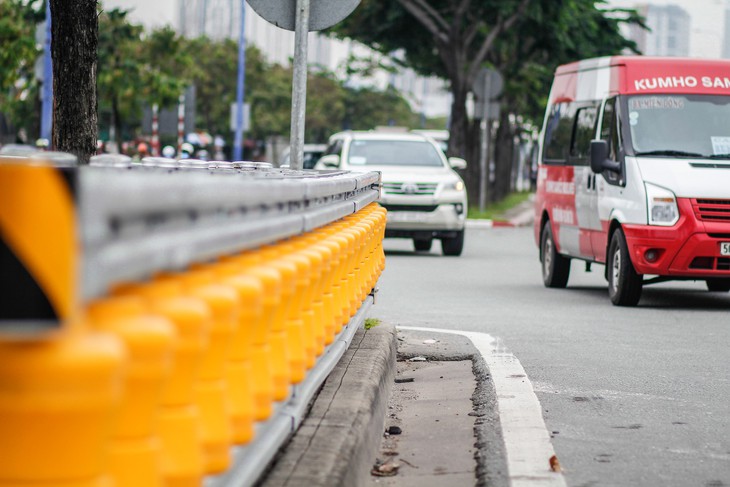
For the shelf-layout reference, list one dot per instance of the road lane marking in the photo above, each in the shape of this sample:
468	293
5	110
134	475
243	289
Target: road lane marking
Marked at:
527	441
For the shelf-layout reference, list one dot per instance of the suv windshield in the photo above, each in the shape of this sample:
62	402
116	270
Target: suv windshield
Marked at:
680	125
393	153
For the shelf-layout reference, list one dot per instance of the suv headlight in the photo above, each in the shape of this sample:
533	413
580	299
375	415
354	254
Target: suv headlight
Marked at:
662	205
457	185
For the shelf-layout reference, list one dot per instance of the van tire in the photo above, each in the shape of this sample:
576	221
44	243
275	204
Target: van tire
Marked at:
422	245
454	245
718	285
624	284
555	267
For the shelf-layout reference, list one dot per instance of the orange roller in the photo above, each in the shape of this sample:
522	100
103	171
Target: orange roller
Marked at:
179	424
261	332
211	389
135	457
239	371
279	337
53	392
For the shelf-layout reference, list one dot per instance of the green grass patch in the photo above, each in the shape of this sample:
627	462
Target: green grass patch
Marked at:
371	323
495	211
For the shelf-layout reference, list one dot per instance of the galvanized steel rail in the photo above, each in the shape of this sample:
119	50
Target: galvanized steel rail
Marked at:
166	240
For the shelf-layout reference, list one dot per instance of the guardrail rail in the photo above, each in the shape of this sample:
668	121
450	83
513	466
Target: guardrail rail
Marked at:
168	322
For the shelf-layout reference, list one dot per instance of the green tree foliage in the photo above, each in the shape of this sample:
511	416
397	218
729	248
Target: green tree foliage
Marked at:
167	66
454	39
18	55
368	108
119	79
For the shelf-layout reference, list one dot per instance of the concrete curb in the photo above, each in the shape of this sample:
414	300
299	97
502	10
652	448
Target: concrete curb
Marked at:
337	442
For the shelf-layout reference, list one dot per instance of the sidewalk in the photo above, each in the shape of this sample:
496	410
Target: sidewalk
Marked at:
424	420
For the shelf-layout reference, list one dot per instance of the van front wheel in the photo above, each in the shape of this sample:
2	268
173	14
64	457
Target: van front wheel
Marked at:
624	284
555	267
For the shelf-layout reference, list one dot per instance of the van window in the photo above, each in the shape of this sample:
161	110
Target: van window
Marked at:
558	132
679	125
609	129
583	132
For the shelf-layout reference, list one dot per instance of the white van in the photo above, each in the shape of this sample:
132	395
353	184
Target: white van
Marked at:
634	173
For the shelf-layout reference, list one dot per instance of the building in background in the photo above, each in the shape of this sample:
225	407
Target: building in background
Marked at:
670	31
697	27
726	37
220	19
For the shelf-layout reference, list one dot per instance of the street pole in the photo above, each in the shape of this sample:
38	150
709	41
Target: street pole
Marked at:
238	143
180	123
47	96
155	130
299	88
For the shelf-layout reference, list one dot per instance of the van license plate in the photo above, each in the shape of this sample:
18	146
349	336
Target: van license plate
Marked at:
724	248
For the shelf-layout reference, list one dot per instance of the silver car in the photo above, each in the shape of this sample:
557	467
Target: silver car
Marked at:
422	192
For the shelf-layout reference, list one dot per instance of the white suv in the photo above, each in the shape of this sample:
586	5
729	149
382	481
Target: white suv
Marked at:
424	196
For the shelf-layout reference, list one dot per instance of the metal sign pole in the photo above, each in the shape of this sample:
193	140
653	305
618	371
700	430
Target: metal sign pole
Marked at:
47	99
240	85
299	89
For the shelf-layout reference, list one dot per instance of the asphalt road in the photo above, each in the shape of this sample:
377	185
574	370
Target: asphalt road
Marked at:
633	396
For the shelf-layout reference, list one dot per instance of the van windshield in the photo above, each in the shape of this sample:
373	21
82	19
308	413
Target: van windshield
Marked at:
393	153
680	125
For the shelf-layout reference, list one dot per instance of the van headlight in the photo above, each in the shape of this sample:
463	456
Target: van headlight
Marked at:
457	185
662	206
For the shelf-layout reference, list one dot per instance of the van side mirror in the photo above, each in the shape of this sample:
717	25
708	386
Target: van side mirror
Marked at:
599	158
330	160
457	163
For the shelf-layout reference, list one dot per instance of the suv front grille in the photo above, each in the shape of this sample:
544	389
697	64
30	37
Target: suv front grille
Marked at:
712	210
410	188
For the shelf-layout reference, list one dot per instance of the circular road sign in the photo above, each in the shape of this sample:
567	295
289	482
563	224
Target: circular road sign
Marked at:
323	13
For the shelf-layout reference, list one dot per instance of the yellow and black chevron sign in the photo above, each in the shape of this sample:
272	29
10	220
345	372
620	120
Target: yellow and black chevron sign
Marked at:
38	243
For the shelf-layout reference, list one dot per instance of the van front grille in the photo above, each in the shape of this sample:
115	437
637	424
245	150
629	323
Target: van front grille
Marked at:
711	263
712	210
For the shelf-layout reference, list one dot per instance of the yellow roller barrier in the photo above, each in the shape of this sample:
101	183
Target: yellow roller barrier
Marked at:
260	331
135	457
58	393
281	348
179	424
298	336
210	391
57	399
239	371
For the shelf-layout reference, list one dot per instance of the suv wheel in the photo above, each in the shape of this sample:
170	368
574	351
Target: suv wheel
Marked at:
624	284
422	245
555	267
454	245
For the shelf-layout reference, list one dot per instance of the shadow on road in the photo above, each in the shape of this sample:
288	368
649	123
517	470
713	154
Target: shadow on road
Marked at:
411	253
662	298
684	299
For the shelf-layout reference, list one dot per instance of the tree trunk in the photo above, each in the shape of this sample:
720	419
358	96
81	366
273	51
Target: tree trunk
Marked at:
74	39
463	141
503	156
